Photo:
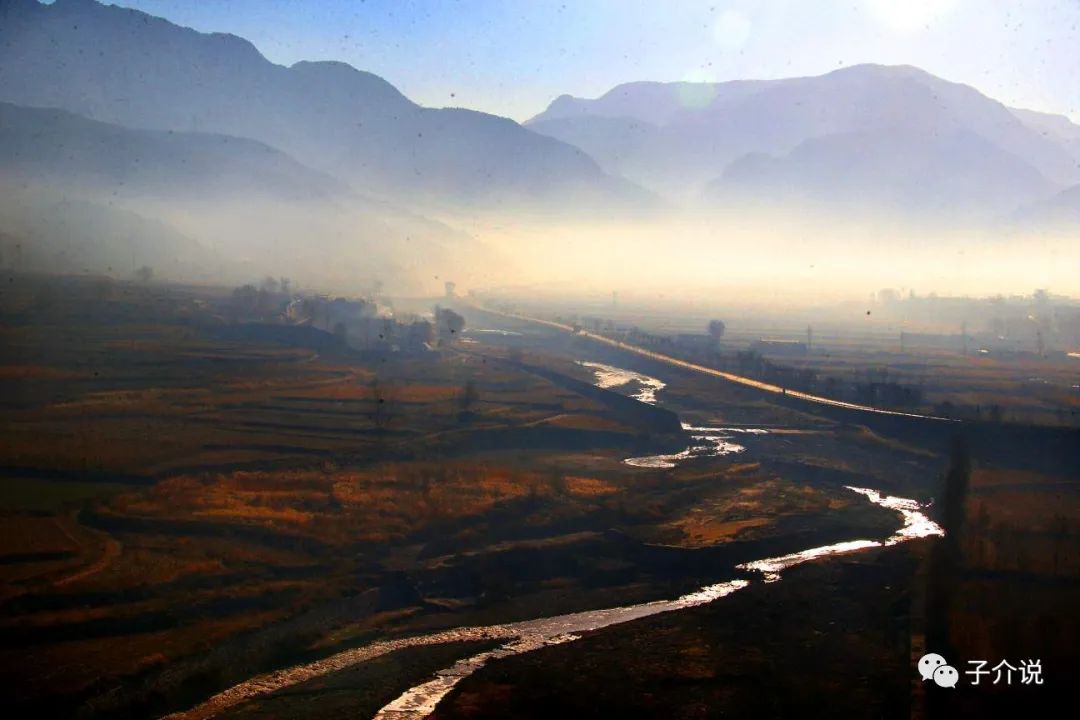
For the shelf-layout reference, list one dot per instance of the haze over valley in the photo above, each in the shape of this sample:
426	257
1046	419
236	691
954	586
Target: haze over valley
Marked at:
795	182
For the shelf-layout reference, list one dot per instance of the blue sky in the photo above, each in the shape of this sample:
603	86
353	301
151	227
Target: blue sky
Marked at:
513	57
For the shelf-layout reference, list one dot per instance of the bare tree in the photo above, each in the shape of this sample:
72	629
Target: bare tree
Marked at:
945	555
382	404
449	324
245	299
716	330
955	493
469	397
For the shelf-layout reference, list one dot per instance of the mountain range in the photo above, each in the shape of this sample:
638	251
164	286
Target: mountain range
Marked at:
191	205
45	231
124	118
883	134
64	150
128	68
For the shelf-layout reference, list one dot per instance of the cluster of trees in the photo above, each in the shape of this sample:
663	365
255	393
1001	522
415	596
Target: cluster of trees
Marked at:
878	389
888	393
753	364
637	336
882	389
270	297
596	325
949	409
716	329
448	325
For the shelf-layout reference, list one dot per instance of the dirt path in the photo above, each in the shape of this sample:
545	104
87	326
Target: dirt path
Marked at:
110	552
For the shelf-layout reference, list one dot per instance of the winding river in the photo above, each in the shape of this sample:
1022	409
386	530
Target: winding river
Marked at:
421	700
707	441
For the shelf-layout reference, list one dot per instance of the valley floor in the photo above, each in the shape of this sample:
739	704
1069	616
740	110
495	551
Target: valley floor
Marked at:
188	503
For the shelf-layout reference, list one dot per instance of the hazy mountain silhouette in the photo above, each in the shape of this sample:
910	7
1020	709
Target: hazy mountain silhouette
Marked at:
1056	128
679	137
86	196
957	175
58	149
308	166
656	103
1060	213
46	231
126	67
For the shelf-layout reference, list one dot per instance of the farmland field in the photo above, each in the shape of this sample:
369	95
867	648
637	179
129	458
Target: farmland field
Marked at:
191	501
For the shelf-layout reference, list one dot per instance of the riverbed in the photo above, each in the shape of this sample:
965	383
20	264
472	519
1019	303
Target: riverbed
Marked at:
526	636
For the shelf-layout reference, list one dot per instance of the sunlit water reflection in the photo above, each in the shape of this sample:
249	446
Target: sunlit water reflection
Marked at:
492	331
526	636
521	637
916	525
420	701
706	442
609	376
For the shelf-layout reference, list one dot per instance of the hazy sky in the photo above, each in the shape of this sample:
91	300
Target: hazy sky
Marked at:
512	57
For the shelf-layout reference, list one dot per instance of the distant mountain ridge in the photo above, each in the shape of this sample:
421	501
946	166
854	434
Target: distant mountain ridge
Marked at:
126	67
1056	214
317	170
58	149
1057	128
956	175
685	138
45	231
330	172
657	103
84	195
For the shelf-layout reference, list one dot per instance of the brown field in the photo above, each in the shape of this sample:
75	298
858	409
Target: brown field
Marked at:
175	495
1015	593
1024	521
185	508
1019	388
1023	389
